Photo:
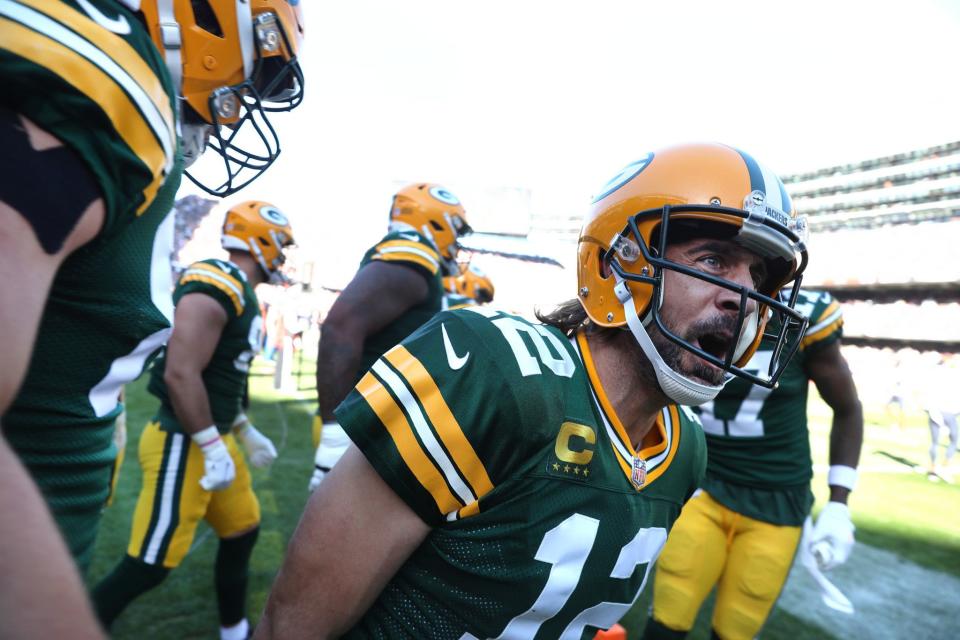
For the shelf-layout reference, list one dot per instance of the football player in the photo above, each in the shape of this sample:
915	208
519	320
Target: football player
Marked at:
517	480
192	467
471	286
397	288
741	531
89	122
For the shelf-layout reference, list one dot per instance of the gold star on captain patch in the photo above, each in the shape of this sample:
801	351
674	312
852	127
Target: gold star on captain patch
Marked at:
586	472
556	467
566	468
576	470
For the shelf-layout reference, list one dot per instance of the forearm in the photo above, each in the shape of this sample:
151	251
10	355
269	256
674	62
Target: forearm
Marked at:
36	565
190	401
846	439
337	362
368	532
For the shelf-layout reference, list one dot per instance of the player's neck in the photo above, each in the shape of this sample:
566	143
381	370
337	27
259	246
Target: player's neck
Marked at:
636	400
249	266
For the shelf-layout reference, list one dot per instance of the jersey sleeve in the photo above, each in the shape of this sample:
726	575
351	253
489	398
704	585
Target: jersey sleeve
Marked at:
105	95
215	279
826	321
409	249
438	419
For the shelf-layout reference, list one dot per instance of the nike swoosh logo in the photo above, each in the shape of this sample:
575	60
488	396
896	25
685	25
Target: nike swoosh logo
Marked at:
118	25
410	236
456	362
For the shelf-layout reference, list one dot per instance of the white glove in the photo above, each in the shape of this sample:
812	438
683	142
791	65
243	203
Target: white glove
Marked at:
218	467
333	443
259	448
832	538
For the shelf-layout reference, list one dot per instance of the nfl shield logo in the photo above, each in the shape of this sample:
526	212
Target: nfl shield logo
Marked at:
639	475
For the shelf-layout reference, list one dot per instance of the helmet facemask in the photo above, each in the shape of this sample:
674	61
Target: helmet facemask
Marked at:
241	134
631	259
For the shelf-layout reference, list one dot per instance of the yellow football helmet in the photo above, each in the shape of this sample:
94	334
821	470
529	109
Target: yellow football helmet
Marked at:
260	229
436	213
696	189
231	62
472	283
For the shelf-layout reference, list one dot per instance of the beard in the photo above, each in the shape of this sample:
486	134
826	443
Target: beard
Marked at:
685	362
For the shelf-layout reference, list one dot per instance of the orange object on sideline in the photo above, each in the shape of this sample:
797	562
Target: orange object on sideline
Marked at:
616	632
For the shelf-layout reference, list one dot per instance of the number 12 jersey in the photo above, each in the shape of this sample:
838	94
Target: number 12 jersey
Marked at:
545	519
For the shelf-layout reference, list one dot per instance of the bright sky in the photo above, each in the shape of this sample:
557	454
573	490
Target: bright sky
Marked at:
556	96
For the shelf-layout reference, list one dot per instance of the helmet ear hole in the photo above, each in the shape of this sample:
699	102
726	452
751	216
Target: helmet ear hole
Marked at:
205	17
602	267
436	225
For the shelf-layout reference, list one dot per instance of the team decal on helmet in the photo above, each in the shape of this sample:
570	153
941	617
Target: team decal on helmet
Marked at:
444	196
626	174
273	216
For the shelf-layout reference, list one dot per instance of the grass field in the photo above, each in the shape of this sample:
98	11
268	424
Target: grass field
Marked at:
896	510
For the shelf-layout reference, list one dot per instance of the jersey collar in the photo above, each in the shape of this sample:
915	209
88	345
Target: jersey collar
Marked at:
660	444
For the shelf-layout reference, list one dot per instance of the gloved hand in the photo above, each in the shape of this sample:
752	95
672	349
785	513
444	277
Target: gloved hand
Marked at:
333	443
832	539
259	448
219	470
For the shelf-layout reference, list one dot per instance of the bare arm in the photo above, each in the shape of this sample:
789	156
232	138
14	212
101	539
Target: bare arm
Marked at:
379	294
36	565
197	324
829	371
353	537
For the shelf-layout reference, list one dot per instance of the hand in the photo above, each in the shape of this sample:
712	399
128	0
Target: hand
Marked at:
832	539
218	467
259	448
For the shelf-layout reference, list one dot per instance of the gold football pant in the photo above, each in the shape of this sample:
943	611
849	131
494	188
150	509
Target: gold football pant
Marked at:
710	544
172	503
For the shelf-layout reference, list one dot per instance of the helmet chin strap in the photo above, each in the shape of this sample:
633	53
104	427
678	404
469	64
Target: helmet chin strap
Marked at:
678	388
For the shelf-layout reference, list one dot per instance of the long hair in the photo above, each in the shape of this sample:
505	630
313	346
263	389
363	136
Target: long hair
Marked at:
569	317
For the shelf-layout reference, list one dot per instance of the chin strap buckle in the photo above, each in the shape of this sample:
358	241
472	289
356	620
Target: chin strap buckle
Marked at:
621	290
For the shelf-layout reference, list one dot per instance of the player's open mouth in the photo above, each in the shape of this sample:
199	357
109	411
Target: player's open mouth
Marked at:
716	344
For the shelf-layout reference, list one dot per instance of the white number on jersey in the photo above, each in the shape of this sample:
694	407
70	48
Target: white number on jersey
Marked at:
747	423
529	364
566	548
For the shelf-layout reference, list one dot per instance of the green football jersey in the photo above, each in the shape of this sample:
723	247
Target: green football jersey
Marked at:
759	447
497	433
409	248
107	95
225	376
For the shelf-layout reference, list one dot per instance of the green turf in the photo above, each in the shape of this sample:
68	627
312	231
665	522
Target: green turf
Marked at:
894	508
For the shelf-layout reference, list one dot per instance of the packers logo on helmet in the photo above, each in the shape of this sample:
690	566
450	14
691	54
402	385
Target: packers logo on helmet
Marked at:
274	216
437	214
260	229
